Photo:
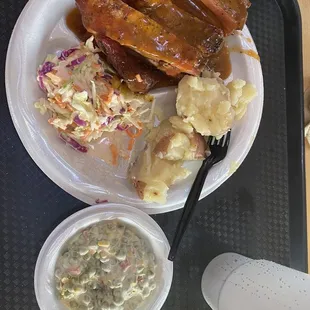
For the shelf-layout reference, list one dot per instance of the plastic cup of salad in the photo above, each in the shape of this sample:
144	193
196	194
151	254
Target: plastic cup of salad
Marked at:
109	256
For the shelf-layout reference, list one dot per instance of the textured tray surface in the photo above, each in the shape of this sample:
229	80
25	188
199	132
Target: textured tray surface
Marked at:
249	214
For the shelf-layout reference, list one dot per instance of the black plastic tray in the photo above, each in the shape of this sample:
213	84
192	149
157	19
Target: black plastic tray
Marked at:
259	211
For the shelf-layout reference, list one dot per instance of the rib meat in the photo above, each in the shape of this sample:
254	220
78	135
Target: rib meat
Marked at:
120	22
199	10
139	76
198	33
231	13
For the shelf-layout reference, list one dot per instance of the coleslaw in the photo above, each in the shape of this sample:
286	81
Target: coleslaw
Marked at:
85	97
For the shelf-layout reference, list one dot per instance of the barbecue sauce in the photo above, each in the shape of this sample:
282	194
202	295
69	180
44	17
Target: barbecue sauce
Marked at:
199	10
75	24
220	62
250	53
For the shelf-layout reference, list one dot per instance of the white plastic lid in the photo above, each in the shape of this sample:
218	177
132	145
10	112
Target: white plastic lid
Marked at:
44	282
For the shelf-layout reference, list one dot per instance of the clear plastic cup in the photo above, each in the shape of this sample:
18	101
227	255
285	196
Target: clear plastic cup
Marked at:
235	282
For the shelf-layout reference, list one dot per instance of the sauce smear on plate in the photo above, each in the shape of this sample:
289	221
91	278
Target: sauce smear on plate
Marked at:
220	62
240	50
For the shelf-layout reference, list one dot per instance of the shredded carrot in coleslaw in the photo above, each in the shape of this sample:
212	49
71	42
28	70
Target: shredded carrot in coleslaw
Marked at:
87	132
58	101
77	88
133	135
131	144
114	152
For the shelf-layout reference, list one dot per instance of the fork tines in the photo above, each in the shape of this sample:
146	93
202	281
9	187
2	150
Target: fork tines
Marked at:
221	142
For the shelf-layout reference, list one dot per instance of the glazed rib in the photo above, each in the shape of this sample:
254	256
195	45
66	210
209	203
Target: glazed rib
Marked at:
199	10
231	13
120	22
138	76
202	35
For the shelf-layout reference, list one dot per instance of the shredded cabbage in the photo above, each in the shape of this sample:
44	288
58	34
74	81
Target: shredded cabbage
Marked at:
84	97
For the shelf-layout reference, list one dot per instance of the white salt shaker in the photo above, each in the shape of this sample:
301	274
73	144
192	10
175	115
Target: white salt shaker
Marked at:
234	282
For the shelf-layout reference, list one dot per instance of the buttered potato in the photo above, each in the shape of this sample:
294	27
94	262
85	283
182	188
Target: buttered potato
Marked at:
210	106
152	176
205	107
241	94
173	139
178	124
160	165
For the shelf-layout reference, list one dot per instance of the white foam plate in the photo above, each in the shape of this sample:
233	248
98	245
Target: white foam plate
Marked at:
40	30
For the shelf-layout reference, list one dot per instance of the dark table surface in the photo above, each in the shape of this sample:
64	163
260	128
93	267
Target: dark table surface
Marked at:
249	214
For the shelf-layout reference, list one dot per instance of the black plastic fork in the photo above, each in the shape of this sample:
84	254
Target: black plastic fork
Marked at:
218	153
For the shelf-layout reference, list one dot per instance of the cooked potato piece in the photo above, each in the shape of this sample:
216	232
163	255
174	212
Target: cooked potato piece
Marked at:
151	190
241	95
178	124
152	176
211	107
205	104
172	147
199	148
160	164
173	139
167	143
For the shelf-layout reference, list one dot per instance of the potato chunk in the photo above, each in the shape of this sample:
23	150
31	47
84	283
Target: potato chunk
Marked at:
210	106
175	140
152	176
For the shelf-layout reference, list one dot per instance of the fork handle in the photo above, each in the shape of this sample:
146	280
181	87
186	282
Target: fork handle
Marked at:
190	204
